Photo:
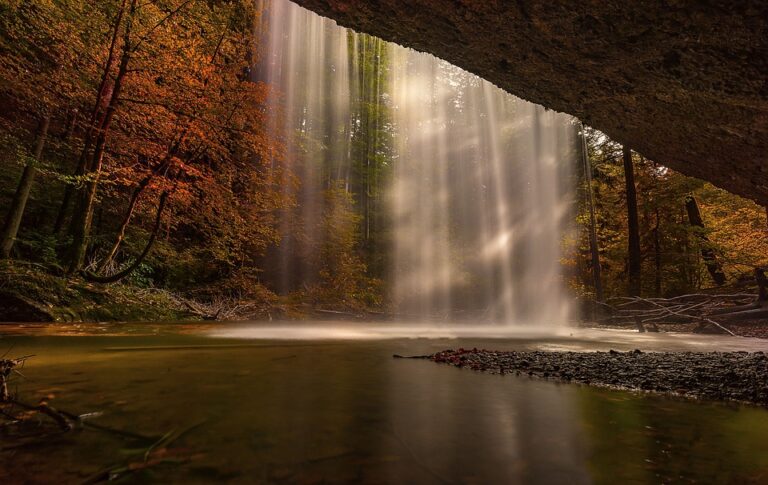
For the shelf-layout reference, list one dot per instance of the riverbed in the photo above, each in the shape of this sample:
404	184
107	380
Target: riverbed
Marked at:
326	402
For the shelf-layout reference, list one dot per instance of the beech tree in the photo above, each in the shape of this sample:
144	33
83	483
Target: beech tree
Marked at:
155	103
40	52
674	255
633	225
19	202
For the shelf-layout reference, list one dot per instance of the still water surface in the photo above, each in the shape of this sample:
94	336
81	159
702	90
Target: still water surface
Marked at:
327	403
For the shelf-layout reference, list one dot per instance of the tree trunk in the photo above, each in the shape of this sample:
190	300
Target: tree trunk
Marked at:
71	125
103	97
657	253
707	253
140	259
123	225
633	224
127	217
83	214
593	245
20	198
762	285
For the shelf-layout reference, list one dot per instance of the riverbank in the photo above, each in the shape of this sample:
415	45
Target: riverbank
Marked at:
29	293
33	293
721	376
744	328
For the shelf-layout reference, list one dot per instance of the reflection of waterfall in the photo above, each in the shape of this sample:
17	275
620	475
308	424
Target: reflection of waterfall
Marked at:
478	199
533	429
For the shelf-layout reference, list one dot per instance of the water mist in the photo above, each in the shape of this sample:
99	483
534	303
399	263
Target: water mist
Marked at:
480	188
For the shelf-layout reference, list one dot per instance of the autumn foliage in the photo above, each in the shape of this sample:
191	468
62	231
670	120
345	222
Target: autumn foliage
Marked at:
734	230
136	148
146	101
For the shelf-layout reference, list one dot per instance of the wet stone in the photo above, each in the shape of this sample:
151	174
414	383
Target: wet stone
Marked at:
734	376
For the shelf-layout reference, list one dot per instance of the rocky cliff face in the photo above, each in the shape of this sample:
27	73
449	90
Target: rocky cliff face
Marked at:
682	82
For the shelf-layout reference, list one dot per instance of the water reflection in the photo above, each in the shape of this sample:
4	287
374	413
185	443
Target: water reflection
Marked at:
468	428
340	411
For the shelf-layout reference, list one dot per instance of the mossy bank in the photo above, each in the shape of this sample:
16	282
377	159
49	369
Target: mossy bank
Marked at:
29	293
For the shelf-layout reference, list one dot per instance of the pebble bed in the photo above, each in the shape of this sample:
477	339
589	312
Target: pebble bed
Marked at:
731	376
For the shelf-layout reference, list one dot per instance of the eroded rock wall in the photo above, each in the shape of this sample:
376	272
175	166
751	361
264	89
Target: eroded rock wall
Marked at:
682	82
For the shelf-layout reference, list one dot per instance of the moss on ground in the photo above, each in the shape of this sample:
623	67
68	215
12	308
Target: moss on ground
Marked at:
29	292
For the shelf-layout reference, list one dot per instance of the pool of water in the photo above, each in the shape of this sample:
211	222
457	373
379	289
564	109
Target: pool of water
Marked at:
327	403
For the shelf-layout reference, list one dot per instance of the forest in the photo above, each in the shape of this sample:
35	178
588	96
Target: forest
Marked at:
243	242
143	180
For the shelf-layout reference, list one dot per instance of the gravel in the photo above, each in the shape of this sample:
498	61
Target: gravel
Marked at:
732	376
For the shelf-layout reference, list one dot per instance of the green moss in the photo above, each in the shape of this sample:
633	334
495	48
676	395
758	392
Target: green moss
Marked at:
65	299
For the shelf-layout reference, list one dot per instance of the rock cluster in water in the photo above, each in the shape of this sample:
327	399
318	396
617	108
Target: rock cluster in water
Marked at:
737	376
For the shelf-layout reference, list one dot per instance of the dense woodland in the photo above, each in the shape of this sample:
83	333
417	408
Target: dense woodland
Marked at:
688	235
137	161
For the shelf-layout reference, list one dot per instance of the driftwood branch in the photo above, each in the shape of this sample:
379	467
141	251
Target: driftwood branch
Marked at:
62	419
8	367
715	310
687	315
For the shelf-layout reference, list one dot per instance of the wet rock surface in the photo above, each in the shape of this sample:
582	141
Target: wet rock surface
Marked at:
683	83
732	376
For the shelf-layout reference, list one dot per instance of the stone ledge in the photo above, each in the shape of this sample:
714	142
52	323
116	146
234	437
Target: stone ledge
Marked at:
683	83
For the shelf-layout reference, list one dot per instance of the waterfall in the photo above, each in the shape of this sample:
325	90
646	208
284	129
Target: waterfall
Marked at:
474	182
305	59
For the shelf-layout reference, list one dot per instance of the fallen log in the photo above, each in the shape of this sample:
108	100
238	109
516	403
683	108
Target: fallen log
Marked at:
755	310
706	309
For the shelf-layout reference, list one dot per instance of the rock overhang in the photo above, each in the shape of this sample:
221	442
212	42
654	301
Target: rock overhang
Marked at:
681	82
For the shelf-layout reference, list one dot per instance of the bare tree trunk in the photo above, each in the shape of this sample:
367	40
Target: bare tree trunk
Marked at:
129	212
83	214
593	246
123	225
140	259
20	198
707	253
633	224
103	97
657	253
